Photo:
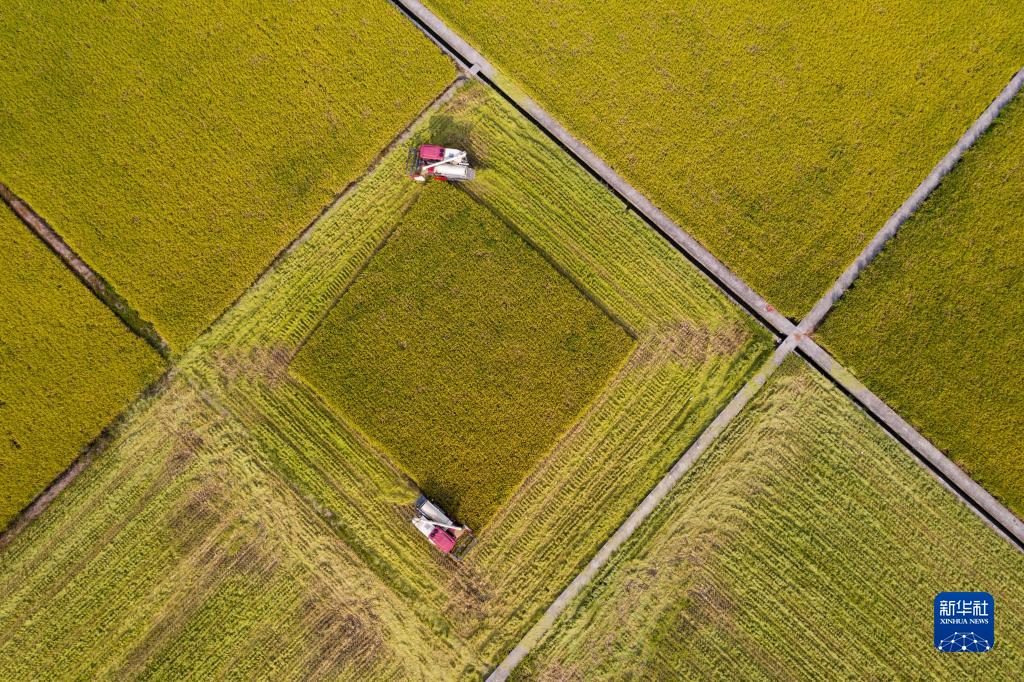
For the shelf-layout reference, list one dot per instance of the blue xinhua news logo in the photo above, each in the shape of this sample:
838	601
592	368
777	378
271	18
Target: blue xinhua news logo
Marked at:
964	621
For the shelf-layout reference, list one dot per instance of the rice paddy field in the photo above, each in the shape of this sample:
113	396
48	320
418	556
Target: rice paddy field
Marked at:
804	541
463	352
178	146
238	522
933	326
781	136
68	366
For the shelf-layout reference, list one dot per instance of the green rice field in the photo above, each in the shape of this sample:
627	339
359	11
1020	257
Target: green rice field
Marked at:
237	523
781	136
805	541
67	366
463	352
933	326
178	146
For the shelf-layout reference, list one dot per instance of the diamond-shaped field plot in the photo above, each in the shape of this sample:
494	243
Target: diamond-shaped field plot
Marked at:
463	352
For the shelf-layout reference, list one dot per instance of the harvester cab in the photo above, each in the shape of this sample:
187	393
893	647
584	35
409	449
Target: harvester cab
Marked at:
440	163
446	535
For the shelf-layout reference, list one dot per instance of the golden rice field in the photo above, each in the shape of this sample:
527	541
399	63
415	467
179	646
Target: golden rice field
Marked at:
934	325
804	541
781	135
68	366
236	520
178	146
462	352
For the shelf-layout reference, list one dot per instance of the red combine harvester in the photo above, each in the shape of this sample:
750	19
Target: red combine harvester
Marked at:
441	163
440	530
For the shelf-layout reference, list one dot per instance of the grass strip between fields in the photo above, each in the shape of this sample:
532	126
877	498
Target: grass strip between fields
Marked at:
67	366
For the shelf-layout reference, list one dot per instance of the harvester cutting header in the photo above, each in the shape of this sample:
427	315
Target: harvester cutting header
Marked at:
440	163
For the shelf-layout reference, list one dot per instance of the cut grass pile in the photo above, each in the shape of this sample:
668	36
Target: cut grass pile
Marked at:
934	326
177	146
462	351
238	476
780	135
805	541
67	366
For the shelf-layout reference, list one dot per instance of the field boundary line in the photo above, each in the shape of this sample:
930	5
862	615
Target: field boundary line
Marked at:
89	277
816	316
478	67
706	438
792	336
80	463
948	473
403	136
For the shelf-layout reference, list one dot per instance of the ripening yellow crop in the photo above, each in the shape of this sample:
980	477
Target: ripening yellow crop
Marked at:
179	145
782	135
68	365
805	517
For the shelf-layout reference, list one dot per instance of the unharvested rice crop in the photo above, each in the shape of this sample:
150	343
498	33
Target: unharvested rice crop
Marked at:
177	146
805	544
463	352
67	366
782	135
238	476
934	326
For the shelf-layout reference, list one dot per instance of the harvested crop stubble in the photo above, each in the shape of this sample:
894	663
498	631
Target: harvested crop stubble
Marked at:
805	543
177	146
356	592
463	352
934	326
67	366
782	135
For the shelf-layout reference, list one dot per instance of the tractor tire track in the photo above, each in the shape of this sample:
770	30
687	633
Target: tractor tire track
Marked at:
478	67
793	337
89	277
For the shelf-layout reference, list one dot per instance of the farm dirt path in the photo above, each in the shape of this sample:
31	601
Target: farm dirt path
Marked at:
478	67
99	287
794	337
913	202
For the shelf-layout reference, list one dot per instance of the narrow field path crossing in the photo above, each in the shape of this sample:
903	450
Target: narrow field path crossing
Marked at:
89	277
707	437
794	337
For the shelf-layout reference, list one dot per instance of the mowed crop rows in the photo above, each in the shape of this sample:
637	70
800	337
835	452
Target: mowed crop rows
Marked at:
805	541
781	136
67	366
934	326
179	554
325	511
178	146
463	352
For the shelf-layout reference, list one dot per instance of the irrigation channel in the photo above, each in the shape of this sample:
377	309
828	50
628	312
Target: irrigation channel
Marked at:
793	337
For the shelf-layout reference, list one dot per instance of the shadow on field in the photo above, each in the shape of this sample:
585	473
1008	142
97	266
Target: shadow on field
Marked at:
449	131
